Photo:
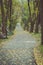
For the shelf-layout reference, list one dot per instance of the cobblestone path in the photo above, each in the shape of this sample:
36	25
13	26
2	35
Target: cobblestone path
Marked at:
18	50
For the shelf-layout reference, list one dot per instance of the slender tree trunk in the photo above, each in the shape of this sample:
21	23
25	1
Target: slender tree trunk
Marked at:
41	20
32	24
37	24
31	27
3	18
38	16
10	19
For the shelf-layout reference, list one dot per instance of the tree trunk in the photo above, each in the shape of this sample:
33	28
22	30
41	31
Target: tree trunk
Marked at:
37	24
3	18
41	20
32	24
38	15
10	11
31	27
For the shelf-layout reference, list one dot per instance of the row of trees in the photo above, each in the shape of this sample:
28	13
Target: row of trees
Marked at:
39	18
34	20
6	11
35	16
30	12
9	14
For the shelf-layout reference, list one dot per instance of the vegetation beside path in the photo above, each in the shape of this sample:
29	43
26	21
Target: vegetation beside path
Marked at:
2	41
38	51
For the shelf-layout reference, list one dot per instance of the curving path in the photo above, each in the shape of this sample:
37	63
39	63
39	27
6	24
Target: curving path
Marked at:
18	50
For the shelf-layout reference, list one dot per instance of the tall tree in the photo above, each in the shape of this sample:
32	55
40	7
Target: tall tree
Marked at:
41	20
37	6
32	23
10	14
3	18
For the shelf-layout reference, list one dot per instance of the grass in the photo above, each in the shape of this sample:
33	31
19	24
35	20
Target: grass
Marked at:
38	39
38	35
41	49
2	40
38	51
9	37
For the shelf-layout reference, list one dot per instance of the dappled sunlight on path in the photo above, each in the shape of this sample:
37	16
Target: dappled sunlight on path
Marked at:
18	50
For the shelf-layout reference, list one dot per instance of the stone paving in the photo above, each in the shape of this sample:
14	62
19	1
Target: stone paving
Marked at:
16	57
18	50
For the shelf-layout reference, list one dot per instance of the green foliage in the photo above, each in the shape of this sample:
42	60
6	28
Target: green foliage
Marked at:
32	7
25	13
41	49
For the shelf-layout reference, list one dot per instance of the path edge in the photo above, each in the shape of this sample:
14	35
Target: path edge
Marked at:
9	38
38	57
